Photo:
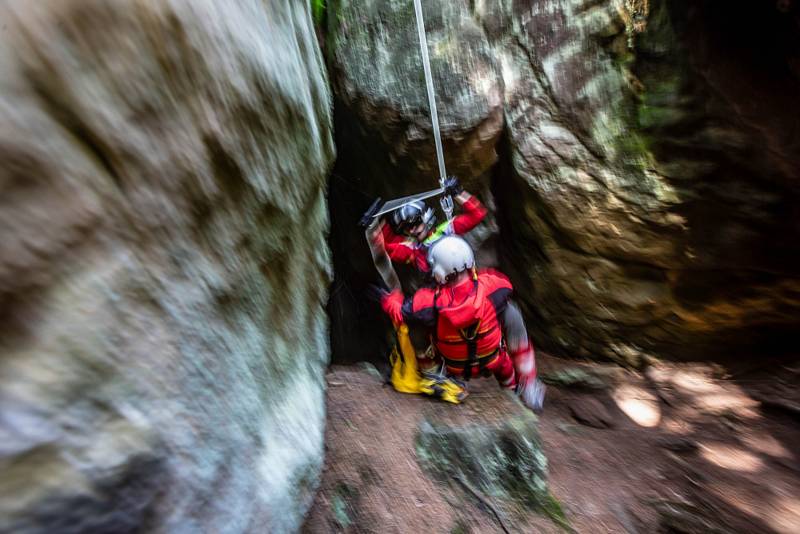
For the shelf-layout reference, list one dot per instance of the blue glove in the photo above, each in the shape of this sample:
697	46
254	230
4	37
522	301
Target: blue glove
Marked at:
369	215
452	187
531	393
376	292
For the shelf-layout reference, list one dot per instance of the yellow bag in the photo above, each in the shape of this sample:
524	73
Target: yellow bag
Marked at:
443	387
406	377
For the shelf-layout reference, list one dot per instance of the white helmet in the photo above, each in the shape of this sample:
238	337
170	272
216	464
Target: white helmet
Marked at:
450	255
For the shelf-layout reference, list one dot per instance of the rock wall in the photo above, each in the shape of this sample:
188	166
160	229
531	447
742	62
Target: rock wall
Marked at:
644	169
163	265
654	176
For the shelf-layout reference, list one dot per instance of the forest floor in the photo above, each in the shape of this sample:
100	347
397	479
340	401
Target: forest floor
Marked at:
679	448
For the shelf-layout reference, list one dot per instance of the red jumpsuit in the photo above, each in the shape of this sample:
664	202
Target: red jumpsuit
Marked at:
468	322
404	249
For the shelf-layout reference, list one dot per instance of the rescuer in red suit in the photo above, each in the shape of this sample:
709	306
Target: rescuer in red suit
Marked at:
476	330
411	229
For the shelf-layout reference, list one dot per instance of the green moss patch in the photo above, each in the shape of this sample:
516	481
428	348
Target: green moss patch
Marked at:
503	462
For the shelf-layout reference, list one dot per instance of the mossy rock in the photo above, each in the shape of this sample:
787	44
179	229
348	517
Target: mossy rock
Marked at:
503	461
574	377
342	504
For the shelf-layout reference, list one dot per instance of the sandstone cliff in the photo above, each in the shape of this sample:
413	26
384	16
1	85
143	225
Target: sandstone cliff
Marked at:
163	265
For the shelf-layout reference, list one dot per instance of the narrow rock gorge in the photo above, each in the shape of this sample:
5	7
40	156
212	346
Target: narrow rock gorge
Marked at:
180	262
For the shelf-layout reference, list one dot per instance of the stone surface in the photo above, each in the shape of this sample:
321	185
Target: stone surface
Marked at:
504	460
677	444
653	177
391	458
590	412
644	171
575	377
689	518
163	265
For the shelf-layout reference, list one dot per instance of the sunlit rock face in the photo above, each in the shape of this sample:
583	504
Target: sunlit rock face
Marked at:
644	171
163	265
376	71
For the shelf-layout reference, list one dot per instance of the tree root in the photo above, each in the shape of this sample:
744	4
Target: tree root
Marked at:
484	501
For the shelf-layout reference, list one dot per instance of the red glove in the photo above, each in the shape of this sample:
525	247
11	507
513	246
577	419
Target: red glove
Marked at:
392	304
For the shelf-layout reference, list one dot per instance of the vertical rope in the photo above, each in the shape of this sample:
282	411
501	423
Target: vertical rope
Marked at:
446	201
426	66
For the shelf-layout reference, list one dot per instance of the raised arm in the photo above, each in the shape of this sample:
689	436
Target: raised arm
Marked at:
473	211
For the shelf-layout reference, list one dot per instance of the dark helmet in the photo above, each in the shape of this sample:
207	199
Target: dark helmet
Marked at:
410	215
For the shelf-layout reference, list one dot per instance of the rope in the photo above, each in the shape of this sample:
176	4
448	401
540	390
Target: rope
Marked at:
426	66
446	201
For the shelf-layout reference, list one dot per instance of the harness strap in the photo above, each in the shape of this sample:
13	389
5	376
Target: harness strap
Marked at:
435	336
481	362
472	354
461	340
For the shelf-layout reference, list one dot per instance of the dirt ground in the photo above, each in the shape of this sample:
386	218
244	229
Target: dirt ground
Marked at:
679	448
